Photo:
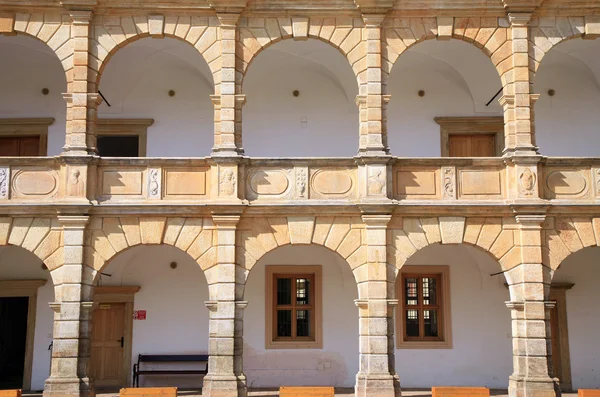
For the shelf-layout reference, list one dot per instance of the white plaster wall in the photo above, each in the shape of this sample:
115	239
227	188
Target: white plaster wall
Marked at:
337	362
322	121
26	67
458	80
177	319
583	315
569	122
481	353
136	82
19	264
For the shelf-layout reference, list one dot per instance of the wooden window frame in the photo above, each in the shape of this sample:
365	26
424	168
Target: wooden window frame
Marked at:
25	289
126	127
445	341
126	295
271	340
22	127
471	126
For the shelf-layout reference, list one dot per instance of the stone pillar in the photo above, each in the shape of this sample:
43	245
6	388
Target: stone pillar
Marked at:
518	98
377	375
69	376
371	101
228	100
225	376
529	285
82	105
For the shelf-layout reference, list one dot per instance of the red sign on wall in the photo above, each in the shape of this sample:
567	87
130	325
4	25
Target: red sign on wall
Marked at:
139	314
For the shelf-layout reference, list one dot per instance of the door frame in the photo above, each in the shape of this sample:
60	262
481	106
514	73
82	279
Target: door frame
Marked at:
124	295
558	294
27	289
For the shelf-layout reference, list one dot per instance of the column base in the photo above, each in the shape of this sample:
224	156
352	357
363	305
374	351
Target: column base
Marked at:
533	387
224	386
69	387
383	385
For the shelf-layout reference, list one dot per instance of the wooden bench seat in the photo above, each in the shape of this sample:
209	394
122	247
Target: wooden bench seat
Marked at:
149	392
306	391
10	393
168	358
460	391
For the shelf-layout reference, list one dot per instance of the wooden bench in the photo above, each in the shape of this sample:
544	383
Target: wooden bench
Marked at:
149	392
460	392
168	358
588	392
305	391
10	393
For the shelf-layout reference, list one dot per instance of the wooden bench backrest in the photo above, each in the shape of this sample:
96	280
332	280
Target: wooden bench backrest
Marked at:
149	391
588	392
172	358
10	393
305	391
460	392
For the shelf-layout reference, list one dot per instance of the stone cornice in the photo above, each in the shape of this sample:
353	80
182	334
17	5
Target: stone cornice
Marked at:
520	6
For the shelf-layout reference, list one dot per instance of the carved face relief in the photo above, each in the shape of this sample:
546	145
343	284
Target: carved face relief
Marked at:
227	183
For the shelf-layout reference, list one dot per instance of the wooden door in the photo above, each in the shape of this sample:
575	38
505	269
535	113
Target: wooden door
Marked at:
108	337
554	339
475	145
20	146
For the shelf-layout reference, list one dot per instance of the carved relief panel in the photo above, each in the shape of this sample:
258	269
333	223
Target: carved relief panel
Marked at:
568	183
33	183
269	183
334	183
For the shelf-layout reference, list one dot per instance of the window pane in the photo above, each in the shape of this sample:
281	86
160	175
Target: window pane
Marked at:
284	291
284	323
412	323
429	291
430	319
410	288
303	323
302	291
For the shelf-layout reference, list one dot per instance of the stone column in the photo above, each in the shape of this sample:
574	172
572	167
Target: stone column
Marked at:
518	98
228	100
69	374
376	375
225	376
371	101
529	285
82	105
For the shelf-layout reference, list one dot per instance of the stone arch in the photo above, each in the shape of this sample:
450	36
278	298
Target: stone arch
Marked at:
343	235
40	236
54	30
110	236
566	236
114	33
493	235
484	33
546	33
344	34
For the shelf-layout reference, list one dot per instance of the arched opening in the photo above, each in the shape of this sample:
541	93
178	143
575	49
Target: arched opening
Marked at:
171	315
300	102
452	324
164	84
450	80
575	350
566	114
287	362
26	319
33	111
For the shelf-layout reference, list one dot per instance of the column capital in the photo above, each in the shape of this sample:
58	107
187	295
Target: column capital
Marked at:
228	19
520	306
376	220
73	221
226	220
373	20
81	17
530	220
519	19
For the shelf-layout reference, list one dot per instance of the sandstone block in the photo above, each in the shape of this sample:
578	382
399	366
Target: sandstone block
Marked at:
452	229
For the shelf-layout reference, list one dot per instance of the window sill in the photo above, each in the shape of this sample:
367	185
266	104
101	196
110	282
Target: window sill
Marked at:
294	345
424	345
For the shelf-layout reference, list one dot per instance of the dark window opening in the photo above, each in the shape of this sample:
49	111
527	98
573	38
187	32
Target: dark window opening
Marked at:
119	146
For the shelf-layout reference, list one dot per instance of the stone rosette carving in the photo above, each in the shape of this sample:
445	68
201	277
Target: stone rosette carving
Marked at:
449	182
527	181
